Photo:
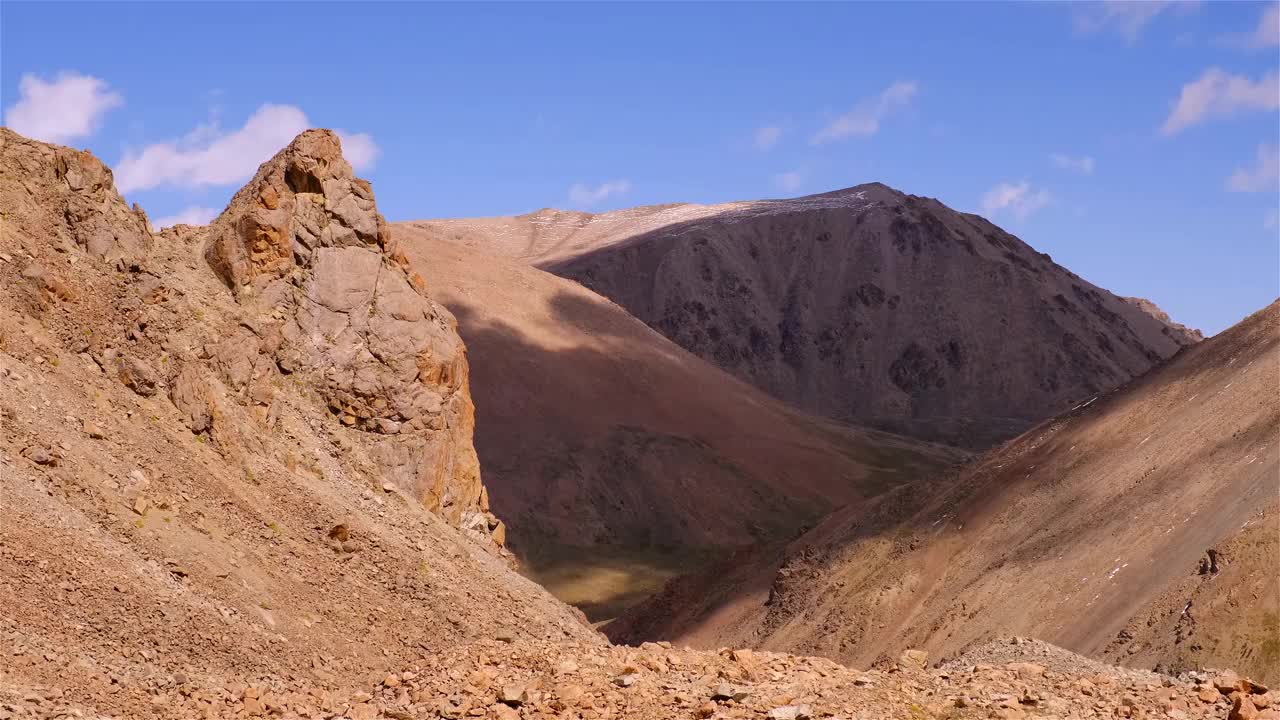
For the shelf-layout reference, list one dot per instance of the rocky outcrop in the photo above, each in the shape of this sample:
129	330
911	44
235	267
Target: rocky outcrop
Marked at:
78	188
317	292
304	246
1174	329
168	489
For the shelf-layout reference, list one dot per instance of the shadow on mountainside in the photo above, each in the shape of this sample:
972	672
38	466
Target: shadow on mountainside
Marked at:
890	311
1071	533
618	460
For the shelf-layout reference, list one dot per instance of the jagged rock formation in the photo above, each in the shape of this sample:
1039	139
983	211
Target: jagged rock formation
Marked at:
187	485
77	190
303	243
321	294
1141	526
863	304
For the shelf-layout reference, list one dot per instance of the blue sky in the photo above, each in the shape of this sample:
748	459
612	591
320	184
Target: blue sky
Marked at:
1134	142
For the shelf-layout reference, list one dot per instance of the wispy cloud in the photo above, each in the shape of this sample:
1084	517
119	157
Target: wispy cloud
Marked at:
187	216
209	156
766	137
788	181
1083	164
1267	34
1219	94
1263	176
1264	35
1017	199
865	118
586	196
1127	18
66	108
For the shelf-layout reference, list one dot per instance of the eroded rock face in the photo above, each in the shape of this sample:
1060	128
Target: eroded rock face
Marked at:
304	245
78	187
318	293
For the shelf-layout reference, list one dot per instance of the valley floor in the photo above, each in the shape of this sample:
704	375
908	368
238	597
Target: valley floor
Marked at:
603	582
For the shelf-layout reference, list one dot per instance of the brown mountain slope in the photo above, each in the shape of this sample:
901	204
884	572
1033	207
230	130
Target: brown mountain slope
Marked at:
863	304
603	440
1088	531
195	522
173	501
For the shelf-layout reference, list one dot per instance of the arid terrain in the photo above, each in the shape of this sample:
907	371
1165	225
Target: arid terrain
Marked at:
607	448
866	305
1140	526
238	479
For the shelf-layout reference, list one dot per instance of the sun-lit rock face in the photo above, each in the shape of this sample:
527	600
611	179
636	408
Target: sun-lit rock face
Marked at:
79	190
304	243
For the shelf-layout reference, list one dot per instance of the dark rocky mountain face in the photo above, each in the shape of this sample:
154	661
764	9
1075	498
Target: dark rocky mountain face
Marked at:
876	307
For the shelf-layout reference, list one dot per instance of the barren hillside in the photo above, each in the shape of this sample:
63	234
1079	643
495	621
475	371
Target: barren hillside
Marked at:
863	304
1140	526
610	451
180	495
237	481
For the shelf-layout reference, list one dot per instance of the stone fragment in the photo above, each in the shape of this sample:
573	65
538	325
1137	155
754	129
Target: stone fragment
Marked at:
913	659
514	695
188	394
791	712
93	430
136	375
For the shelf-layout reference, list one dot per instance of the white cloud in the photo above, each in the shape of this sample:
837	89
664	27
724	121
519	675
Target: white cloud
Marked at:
1083	164
767	137
1271	221
1018	199
359	149
209	156
1217	94
1262	177
865	119
69	107
1268	32
788	181
188	216
584	196
1128	18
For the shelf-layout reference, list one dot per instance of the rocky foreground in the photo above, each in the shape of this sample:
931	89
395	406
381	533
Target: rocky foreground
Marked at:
507	680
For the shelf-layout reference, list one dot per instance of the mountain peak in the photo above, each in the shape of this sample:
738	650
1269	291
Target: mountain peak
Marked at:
874	190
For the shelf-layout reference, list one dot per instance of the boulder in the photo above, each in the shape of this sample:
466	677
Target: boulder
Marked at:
913	659
137	375
187	392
